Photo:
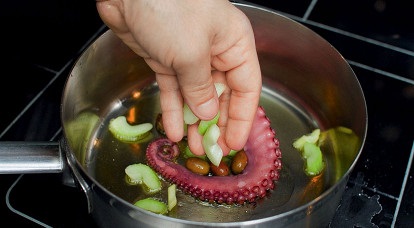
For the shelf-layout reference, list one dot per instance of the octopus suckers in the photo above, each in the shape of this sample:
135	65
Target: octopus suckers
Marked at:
258	177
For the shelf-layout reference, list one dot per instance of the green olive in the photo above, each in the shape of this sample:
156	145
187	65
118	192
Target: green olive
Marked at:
239	162
197	165
221	170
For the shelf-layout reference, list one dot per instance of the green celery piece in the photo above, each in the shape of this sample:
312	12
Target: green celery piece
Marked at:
212	134
205	124
123	131
313	155
344	141
79	132
220	87
310	138
172	196
152	205
211	148
214	153
189	117
189	154
232	153
142	174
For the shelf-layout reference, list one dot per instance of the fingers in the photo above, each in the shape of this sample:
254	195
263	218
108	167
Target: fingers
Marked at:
195	140
245	83
200	95
171	106
183	63
197	86
239	103
112	16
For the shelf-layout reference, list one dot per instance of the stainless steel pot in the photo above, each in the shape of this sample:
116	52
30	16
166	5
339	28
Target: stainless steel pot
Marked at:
307	84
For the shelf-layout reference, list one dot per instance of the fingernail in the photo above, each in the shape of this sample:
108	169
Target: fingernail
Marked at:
208	109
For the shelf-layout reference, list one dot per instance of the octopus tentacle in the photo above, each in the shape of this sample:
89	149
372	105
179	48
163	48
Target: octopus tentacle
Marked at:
264	163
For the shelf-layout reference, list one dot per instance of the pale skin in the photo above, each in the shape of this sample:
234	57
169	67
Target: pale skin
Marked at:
190	44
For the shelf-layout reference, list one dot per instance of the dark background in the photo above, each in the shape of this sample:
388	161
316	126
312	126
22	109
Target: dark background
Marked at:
40	40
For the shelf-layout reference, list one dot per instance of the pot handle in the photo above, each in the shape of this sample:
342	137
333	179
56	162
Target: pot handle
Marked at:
18	157
76	175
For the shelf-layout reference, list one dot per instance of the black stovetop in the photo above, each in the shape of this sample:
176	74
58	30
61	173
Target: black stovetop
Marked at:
41	40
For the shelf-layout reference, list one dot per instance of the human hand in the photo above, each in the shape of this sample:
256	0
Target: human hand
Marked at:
190	44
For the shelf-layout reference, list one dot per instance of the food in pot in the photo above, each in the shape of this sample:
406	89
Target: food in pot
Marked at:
205	124
153	205
221	170
239	162
264	163
189	117
143	174
210	145
123	131
188	154
314	161
208	129
229	165
80	130
172	196
311	152
156	205
197	165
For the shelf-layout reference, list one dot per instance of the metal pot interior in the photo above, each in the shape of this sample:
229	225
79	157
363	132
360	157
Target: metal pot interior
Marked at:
306	85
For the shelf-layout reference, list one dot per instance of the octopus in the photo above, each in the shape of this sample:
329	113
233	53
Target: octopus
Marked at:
256	180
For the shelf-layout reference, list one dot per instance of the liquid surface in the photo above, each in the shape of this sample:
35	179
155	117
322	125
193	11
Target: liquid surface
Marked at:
109	157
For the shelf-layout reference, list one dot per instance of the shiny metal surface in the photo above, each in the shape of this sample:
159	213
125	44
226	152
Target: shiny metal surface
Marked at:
30	157
298	65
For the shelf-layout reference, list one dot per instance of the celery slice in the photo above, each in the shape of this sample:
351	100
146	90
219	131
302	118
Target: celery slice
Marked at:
220	87
311	138
123	131
188	154
313	155
152	205
189	117
80	131
205	124
172	196
212	134
232	153
214	153
208	129
211	148
143	174
308	145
